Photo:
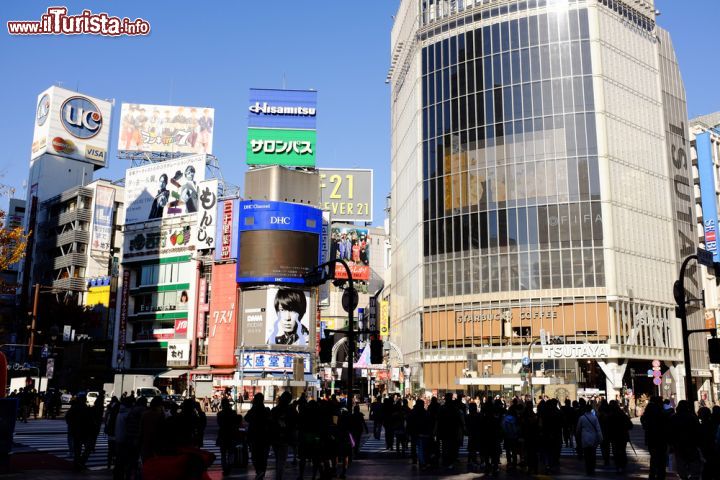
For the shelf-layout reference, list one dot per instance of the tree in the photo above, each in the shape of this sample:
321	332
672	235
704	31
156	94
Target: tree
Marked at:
12	239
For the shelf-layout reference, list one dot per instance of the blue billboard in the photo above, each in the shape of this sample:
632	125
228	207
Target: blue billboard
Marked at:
278	242
287	109
706	171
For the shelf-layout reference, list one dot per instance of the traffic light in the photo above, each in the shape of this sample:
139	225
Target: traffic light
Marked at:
714	350
326	346
376	351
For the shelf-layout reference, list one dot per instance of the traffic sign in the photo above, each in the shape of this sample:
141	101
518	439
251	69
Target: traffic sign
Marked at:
526	361
649	373
657	380
705	257
350	299
656	363
657	373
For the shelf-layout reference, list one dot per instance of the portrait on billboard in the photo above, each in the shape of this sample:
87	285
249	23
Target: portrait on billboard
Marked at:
164	189
287	317
351	244
162	128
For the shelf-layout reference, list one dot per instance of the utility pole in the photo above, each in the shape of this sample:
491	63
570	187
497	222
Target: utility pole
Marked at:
33	324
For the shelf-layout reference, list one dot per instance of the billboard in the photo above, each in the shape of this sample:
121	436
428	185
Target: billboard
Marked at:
294	109
227	215
278	242
351	244
268	146
163	189
347	193
706	171
102	219
223	325
278	318
269	361
72	125
159	240
206	214
166	129
178	353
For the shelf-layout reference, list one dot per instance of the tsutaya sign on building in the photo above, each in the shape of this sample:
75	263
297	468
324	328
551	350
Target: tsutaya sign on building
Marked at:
579	350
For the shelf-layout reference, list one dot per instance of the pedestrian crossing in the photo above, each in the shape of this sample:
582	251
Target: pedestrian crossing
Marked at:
50	436
374	446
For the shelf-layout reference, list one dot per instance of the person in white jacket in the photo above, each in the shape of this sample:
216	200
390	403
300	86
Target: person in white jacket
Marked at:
590	435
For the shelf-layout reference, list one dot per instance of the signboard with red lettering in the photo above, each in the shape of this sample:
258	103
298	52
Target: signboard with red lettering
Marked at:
222	328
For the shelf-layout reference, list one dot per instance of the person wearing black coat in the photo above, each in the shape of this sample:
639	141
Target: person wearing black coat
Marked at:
450	431
259	421
618	432
655	423
228	425
685	435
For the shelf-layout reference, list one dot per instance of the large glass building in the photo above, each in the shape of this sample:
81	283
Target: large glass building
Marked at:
539	197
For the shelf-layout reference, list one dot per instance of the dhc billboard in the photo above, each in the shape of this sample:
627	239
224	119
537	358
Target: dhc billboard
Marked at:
287	109
707	193
278	242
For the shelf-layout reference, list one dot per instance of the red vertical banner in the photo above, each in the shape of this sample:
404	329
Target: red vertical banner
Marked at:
125	293
222	330
202	307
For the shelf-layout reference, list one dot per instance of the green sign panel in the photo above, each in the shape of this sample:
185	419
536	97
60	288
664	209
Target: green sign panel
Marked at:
271	146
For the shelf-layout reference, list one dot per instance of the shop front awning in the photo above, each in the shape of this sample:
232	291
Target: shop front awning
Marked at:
508	380
213	371
173	374
277	381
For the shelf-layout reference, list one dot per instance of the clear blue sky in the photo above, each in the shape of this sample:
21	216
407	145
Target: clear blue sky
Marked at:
210	53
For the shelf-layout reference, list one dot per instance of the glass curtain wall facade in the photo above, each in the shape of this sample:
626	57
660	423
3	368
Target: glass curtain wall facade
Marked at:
511	190
510	180
536	129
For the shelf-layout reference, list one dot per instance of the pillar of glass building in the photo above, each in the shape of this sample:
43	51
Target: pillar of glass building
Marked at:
540	204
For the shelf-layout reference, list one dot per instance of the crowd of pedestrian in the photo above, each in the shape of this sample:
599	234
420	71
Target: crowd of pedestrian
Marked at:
532	436
322	436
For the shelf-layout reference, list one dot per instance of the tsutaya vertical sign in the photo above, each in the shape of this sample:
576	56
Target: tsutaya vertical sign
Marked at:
706	170
207	214
680	168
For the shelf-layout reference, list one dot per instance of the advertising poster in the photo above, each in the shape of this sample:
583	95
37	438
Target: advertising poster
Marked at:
163	189
267	146
159	240
72	125
102	219
166	129
347	194
273	108
222	330
207	214
279	242
351	244
278	318
288	316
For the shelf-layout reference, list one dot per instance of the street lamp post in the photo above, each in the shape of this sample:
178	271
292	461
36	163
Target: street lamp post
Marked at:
351	328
